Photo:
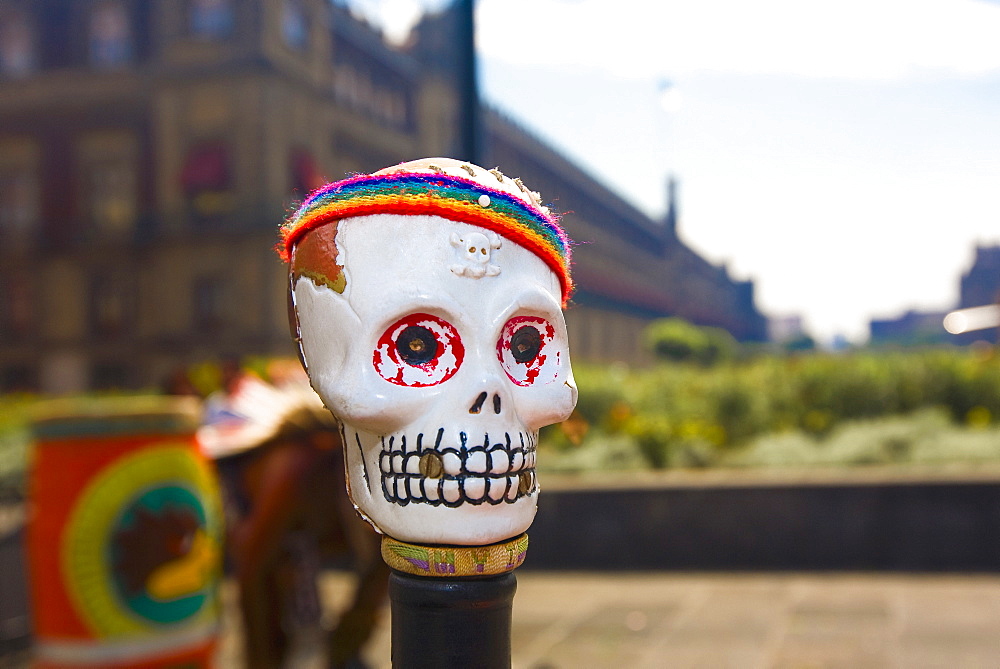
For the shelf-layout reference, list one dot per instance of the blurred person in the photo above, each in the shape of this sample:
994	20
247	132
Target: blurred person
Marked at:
178	383
279	455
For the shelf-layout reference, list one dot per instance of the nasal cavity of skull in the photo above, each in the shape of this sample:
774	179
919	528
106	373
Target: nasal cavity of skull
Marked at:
477	406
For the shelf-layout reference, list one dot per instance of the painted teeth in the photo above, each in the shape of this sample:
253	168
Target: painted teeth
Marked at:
485	473
516	461
452	462
450	491
476	462
474	488
511	488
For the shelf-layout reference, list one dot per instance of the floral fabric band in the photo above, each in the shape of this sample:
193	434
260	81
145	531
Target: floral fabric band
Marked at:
454	561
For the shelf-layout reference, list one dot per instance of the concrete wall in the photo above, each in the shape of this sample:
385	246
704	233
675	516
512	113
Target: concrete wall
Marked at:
906	526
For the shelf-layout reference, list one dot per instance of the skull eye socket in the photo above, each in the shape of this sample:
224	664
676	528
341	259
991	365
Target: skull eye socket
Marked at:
416	345
418	350
529	351
525	344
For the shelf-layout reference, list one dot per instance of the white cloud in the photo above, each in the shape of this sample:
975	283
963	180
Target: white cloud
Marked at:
858	39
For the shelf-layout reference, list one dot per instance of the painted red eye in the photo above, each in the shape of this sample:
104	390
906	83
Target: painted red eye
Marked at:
527	352
418	350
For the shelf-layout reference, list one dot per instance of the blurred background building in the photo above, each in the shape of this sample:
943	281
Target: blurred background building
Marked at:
978	287
149	150
913	328
981	284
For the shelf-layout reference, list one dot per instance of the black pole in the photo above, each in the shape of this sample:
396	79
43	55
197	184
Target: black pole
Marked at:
468	82
442	623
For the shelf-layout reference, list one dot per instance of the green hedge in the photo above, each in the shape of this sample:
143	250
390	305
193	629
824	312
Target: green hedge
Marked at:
683	414
691	414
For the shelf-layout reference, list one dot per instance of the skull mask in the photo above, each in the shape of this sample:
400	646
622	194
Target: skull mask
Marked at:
427	304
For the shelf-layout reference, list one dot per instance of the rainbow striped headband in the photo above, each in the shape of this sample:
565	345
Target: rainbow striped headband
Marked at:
450	197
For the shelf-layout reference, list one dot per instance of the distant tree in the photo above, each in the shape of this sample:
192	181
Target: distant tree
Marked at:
677	340
801	342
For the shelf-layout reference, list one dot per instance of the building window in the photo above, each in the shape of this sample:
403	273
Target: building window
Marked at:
111	198
17	45
375	92
294	27
305	174
209	303
108	166
18	203
206	180
110	35
15	307
211	19
108	306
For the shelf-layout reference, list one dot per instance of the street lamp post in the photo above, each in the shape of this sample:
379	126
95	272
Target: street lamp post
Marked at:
468	83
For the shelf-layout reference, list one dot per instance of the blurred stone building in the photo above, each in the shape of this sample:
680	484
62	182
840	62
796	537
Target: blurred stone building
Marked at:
150	148
913	328
981	284
979	287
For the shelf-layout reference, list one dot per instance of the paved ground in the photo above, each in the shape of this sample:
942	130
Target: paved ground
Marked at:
788	621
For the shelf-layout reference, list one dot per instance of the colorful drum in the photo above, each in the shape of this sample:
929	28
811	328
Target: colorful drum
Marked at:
124	536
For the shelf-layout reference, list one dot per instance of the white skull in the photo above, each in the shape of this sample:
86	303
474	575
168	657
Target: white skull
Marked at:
441	379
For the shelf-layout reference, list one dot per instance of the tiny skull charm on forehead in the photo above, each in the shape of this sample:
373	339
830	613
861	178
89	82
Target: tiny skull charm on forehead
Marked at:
441	383
475	251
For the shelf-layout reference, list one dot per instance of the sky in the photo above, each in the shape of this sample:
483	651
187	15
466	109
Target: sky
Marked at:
845	156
